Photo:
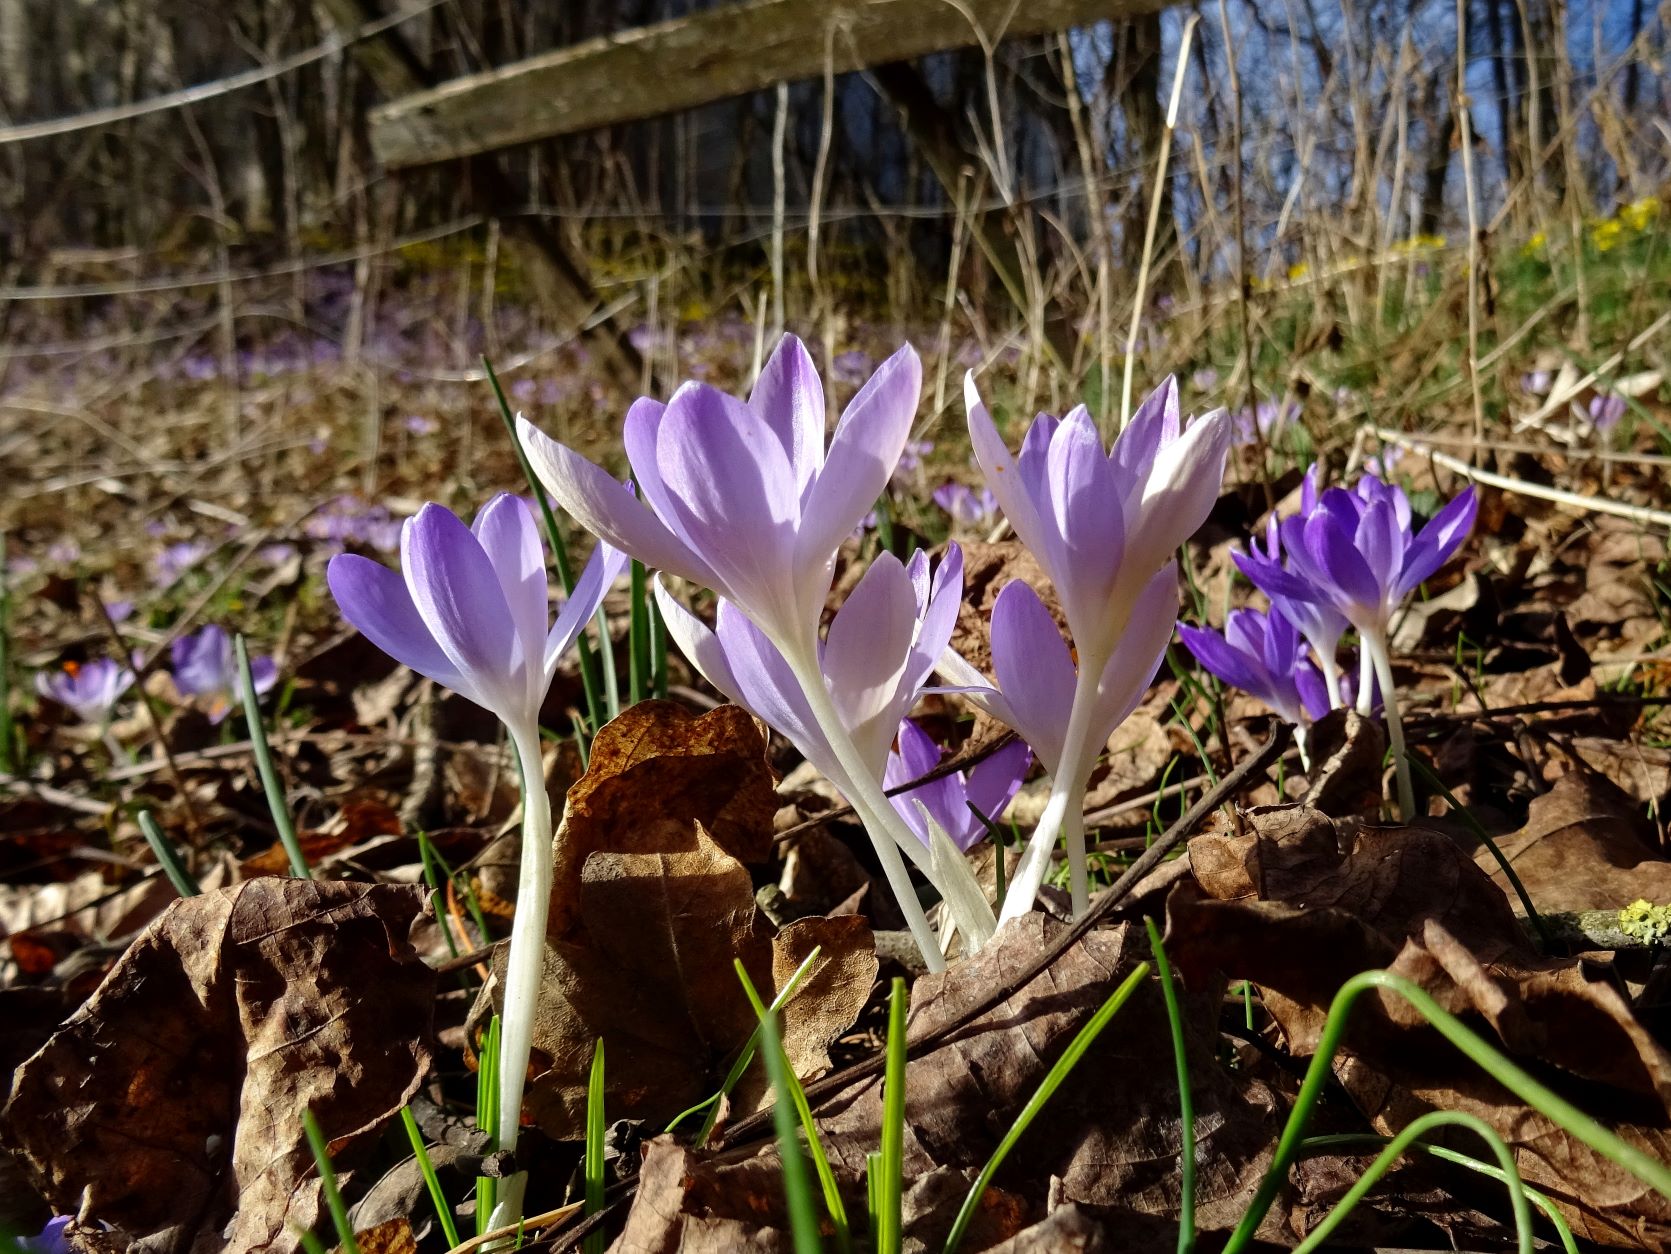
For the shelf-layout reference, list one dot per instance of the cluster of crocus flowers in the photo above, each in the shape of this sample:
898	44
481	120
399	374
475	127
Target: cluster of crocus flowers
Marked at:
747	499
469	610
1347	559
1104	525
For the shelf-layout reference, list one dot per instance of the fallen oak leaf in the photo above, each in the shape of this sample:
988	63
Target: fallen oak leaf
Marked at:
169	1105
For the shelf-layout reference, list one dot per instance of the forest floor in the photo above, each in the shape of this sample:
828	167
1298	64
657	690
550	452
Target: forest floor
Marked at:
162	1051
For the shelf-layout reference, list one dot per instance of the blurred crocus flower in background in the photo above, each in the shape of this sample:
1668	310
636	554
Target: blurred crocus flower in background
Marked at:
91	689
911	458
1104	526
1537	382
205	668
1267	421
969	509
176	559
51	1239
958	801
469	609
1605	410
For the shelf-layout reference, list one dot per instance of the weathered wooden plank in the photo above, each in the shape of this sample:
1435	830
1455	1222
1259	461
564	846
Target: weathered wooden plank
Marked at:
694	60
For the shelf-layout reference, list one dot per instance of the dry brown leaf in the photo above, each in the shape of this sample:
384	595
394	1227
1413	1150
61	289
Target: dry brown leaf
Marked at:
655	772
169	1106
687	1206
1584	847
1298	911
649	970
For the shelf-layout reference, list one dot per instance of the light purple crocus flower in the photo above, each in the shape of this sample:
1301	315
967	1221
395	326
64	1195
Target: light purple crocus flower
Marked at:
969	509
1102	525
1605	410
1265	423
743	497
1263	654
91	689
468	609
958	802
176	560
50	1239
205	667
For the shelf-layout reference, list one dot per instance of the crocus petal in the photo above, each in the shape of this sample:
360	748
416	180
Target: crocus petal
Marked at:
639	434
1132	668
1381	544
608	509
789	396
968	682
1334	552
1152	428
1435	543
863	453
1313	692
507	533
733	500
376	602
993	782
601	570
865	654
938	614
263	673
1222	658
918	753
1035	670
457	592
1092	529
1179	493
1003	476
767	687
698	643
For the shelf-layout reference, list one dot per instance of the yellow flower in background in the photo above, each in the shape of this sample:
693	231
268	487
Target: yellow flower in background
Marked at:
1639	213
1606	234
1298	271
1537	246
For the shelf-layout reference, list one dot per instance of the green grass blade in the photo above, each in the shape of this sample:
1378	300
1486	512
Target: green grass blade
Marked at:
328	1180
1350	1140
182	879
658	653
797	1189
595	1129
889	1233
744	1057
638	635
1186	1099
421	1152
1574	1122
1395	1149
277	806
1047	1089
487	1118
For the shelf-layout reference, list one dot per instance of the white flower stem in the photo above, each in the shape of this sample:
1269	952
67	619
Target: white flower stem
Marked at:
1331	678
871	804
1366	675
1375	648
1067	796
525	963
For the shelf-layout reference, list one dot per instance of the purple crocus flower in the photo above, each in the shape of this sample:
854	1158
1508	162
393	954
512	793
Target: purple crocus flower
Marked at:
743	497
911	458
1263	654
91	689
1605	410
1265	423
969	509
1102	525
1357	552
205	667
1318	621
469	610
953	800
881	647
176	560
51	1239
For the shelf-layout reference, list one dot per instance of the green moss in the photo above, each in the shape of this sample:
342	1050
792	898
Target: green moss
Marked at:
1646	922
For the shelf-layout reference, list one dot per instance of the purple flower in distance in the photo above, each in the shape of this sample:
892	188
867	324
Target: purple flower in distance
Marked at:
91	689
1605	410
206	668
1263	654
175	560
468	608
744	497
952	800
911	458
853	366
1265	423
969	509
